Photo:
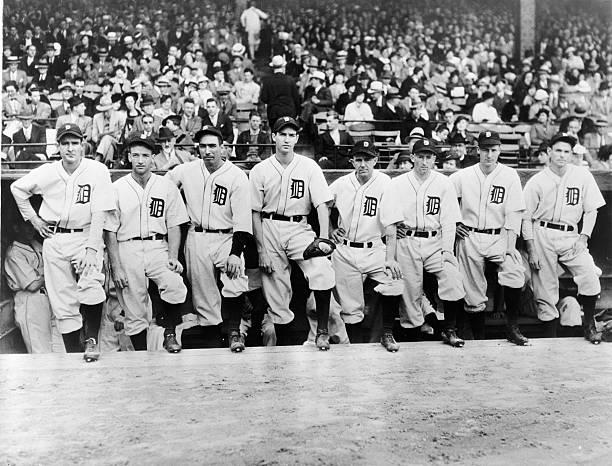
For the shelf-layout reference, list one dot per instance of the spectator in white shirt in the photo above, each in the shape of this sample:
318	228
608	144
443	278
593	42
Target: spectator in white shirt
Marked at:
484	112
358	110
247	90
251	22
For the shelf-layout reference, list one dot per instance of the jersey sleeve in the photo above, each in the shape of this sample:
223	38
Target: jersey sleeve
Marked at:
103	193
593	198
450	215
319	189
455	178
19	272
256	189
390	210
177	212
334	189
240	202
24	188
515	205
176	175
532	199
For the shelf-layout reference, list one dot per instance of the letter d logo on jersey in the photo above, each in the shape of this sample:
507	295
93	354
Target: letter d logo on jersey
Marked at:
83	194
497	194
369	206
219	194
432	206
297	189
572	196
156	208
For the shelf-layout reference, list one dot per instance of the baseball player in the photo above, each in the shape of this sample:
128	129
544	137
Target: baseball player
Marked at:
361	253
24	275
283	188
422	205
218	204
556	199
143	238
491	200
76	195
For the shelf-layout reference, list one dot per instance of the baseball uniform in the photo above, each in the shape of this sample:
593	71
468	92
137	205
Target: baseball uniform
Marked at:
554	206
141	220
429	211
283	196
490	204
23	267
218	204
362	253
68	203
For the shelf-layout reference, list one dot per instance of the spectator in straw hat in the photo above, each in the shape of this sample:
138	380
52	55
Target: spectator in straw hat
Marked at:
107	128
593	141
279	92
30	133
13	73
317	97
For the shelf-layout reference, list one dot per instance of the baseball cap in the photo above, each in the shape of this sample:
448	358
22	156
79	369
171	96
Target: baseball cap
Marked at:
423	146
489	138
285	121
365	148
141	141
207	129
563	137
69	129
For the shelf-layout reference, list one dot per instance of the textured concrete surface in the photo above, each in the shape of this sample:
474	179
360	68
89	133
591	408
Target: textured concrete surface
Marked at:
488	403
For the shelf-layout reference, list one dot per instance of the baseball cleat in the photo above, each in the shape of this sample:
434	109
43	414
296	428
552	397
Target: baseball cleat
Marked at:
322	340
591	333
170	343
236	342
450	338
514	335
389	342
92	352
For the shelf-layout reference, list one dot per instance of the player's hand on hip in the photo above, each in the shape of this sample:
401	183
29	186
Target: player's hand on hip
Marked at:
337	235
392	268
580	245
462	230
175	265
534	260
119	277
233	267
265	263
42	227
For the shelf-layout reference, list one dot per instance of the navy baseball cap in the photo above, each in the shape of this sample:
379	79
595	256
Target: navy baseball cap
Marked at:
141	141
285	121
489	138
364	148
423	146
207	129
69	129
563	137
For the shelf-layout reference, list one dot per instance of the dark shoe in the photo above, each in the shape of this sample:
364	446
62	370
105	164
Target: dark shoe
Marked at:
92	352
591	333
450	337
389	342
236	342
514	335
322	340
170	343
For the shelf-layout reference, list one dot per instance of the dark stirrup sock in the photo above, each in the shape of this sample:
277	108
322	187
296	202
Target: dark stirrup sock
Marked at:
512	300
92	316
322	301
139	341
390	308
72	341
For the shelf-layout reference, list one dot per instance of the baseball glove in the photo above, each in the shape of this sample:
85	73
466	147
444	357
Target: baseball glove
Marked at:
314	248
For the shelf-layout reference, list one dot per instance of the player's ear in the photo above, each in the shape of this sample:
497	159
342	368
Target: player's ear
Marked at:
273	137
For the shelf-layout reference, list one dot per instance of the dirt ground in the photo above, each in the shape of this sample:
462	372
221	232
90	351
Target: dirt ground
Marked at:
488	403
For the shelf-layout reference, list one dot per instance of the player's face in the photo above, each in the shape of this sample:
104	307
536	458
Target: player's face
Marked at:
211	151
141	158
285	140
71	150
560	154
489	155
423	162
364	166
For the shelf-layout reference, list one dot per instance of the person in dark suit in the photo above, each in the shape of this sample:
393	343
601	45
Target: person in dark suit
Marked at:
329	148
317	97
279	92
215	118
392	110
253	136
43	78
28	61
30	133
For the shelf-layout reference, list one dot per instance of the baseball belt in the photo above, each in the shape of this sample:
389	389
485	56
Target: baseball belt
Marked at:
57	229
283	218
353	244
556	226
154	237
488	231
201	229
421	234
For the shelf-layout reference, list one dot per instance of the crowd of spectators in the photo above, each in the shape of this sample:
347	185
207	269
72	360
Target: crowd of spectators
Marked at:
415	69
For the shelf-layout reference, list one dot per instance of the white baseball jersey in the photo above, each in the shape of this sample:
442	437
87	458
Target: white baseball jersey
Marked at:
359	206
215	201
288	191
145	212
68	200
430	205
565	199
490	201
